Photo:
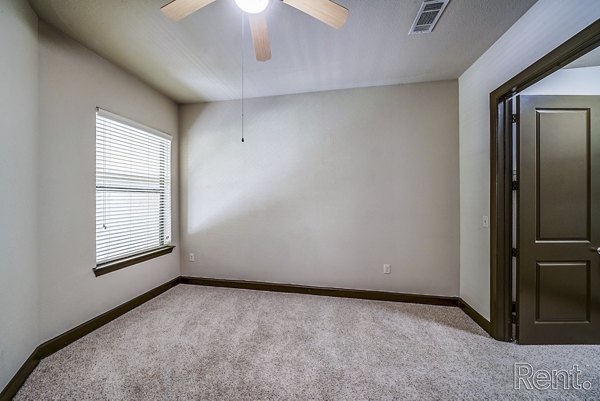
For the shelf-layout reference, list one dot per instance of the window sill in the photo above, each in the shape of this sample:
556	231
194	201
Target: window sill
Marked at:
115	265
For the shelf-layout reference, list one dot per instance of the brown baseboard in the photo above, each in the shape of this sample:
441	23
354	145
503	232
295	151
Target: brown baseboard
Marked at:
51	346
473	314
19	378
323	291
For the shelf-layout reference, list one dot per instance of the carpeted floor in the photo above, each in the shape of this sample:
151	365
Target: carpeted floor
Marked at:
203	343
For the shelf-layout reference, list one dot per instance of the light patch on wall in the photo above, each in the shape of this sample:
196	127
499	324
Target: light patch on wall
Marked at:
247	181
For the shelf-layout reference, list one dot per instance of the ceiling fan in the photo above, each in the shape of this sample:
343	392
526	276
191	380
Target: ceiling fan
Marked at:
325	11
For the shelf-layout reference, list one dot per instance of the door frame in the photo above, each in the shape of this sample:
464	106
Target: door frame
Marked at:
501	162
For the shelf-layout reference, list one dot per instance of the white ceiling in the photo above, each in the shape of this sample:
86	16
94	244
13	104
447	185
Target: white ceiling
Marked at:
199	58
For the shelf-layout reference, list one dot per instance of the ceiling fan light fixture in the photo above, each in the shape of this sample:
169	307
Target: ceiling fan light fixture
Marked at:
252	6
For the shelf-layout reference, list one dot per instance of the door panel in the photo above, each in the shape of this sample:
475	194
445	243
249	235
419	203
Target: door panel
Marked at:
562	292
563	179
558	273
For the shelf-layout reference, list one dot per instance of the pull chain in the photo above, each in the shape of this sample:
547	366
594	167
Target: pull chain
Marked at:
242	51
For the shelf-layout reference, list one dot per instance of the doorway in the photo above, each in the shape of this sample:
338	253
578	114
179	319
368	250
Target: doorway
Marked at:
545	276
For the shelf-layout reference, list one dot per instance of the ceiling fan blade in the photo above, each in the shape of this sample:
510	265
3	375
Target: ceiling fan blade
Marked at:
325	11
179	9
260	36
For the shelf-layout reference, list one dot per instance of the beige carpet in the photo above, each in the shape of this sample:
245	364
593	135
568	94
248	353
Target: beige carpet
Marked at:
202	343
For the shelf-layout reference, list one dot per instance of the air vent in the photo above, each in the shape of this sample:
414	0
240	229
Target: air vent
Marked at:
428	16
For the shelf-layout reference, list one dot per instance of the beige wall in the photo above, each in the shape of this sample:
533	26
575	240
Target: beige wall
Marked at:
571	81
18	180
73	81
545	26
327	188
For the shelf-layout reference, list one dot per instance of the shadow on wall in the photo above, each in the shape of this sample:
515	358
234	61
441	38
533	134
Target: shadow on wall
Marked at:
323	180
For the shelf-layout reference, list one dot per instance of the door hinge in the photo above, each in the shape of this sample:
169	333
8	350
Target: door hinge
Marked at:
514	252
513	318
514	118
515	185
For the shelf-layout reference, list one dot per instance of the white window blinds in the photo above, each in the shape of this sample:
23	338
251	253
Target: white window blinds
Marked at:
133	188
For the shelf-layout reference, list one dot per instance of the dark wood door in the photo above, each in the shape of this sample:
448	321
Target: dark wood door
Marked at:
558	274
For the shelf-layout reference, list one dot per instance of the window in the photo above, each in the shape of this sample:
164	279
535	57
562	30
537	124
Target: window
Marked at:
133	190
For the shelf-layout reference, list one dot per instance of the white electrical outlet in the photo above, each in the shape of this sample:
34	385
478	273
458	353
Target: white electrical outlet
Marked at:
485	222
387	269
192	257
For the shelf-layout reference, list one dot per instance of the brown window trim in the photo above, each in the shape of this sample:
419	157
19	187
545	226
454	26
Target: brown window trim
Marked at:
108	267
